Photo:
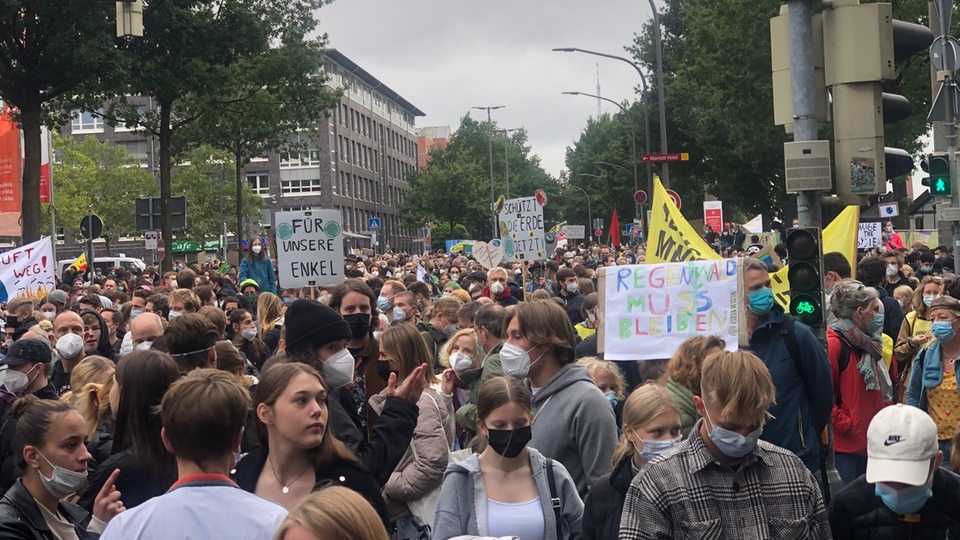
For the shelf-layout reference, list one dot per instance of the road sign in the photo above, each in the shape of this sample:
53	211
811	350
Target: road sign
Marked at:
950	214
147	213
640	197
91	226
150	240
598	232
309	248
575	232
373	224
937	58
675	196
673	156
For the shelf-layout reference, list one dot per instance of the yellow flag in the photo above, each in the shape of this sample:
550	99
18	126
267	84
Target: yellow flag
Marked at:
671	238
80	264
840	235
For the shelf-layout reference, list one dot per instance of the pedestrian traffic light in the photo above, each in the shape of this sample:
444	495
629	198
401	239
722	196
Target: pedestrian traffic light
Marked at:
805	275
862	44
938	167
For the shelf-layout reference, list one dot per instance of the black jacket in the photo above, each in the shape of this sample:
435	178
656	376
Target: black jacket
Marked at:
20	517
135	483
856	513
342	473
8	426
604	503
391	435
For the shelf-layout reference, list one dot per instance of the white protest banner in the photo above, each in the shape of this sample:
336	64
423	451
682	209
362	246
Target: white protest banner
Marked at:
521	229
309	248
650	309
576	232
868	235
28	271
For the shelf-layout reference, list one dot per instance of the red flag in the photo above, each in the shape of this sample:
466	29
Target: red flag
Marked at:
9	175
615	230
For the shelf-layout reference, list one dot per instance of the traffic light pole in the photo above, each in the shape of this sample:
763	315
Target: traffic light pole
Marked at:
804	108
951	135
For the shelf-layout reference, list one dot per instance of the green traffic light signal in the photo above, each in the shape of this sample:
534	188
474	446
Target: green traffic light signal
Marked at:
939	168
941	187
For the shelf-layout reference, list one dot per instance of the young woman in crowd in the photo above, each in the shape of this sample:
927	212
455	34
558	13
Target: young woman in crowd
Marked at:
298	454
609	379
270	320
684	372
244	337
52	461
915	330
420	470
257	266
506	489
92	380
589	313
651	426
332	513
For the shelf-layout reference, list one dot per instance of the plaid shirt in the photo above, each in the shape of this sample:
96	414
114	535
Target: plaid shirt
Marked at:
687	493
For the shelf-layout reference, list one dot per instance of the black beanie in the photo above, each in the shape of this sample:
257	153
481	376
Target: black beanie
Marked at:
310	324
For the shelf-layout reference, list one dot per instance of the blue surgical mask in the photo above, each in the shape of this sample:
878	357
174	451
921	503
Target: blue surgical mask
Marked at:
906	500
942	330
876	324
928	299
731	443
383	303
612	398
926	268
652	449
761	300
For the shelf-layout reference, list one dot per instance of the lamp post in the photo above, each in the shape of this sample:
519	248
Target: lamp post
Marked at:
633	137
587	197
506	156
493	202
646	116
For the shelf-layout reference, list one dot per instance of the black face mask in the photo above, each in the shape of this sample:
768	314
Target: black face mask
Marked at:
12	321
384	371
359	324
509	442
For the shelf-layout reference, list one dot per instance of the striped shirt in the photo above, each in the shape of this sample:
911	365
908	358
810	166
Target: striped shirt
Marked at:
687	493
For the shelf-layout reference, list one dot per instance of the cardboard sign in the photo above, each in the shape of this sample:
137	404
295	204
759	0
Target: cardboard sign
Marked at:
522	229
309	248
650	309
869	235
28	271
488	255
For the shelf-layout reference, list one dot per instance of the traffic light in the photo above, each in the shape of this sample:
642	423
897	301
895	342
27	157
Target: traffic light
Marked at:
805	275
862	44
938	167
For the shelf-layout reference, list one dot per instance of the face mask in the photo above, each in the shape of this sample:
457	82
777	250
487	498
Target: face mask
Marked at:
15	381
69	345
928	299
455	277
876	324
612	398
515	361
731	443
942	330
383	303
249	333
592	318
51	315
250	298
460	361
761	301
509	442
338	369
926	268
573	288
173	315
906	500
288	299
256	249
399	315
384	371
497	288
892	270
173	283
359	324
64	481
652	449
126	345
144	346
134	313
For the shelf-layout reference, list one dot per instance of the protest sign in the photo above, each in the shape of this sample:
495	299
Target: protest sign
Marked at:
650	309
458	246
309	248
522	229
28	271
671	238
488	255
869	235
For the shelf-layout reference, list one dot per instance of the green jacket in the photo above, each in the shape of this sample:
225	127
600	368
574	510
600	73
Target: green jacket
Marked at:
683	398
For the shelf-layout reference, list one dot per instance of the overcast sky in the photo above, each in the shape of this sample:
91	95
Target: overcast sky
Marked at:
446	57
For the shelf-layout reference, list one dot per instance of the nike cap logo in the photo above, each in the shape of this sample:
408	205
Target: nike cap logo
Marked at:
893	439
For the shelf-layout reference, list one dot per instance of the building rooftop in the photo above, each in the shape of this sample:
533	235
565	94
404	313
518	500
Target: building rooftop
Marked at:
340	59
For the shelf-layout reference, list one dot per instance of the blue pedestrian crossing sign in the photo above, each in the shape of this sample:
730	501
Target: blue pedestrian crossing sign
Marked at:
373	224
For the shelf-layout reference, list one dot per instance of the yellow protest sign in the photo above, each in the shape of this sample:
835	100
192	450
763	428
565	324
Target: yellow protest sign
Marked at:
671	238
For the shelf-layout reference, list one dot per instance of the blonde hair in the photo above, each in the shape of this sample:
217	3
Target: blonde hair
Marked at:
461	295
739	384
94	404
87	371
595	366
447	306
684	367
404	344
269	308
335	513
445	350
643	405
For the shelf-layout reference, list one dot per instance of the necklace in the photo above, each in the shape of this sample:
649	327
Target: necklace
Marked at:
286	485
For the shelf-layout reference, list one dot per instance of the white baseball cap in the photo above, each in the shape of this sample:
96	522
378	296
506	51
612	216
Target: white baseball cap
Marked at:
901	442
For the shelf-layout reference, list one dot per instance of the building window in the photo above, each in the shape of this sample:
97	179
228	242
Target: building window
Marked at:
259	184
87	122
305	154
309	186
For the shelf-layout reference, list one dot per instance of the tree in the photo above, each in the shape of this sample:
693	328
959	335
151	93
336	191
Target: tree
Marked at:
50	51
102	177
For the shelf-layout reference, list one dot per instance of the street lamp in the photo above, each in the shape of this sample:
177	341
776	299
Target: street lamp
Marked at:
633	137
493	202
506	155
587	196
646	116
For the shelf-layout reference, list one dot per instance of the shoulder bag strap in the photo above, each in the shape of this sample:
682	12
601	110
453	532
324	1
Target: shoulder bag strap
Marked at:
554	497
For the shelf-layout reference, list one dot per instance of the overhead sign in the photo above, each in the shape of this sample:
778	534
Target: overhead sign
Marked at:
148	218
28	271
576	232
373	224
673	156
869	235
309	248
713	215
650	309
522	229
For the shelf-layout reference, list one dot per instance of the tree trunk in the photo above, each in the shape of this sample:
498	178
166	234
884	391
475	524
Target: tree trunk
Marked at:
30	194
167	226
238	171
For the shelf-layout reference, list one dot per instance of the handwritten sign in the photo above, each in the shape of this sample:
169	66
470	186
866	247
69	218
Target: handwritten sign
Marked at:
488	255
28	271
650	309
522	230
868	235
310	248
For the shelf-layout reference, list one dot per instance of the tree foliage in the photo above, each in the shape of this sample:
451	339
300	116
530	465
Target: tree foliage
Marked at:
454	187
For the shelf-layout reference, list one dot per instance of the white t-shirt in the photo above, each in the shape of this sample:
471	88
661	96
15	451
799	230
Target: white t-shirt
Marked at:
523	520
